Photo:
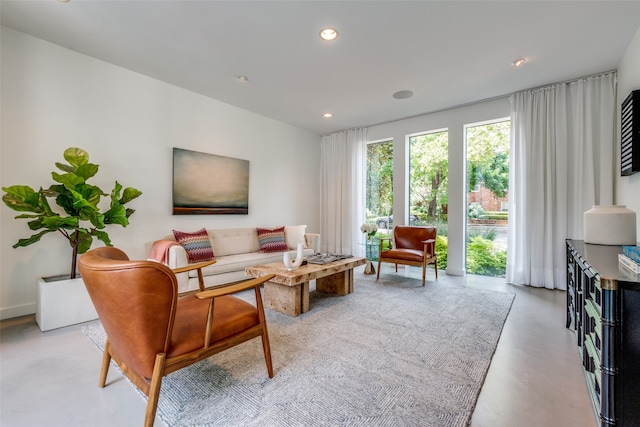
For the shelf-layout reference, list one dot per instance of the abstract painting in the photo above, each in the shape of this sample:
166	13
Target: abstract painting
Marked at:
207	184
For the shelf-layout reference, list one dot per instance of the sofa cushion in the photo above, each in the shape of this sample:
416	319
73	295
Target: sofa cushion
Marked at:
294	234
234	241
272	240
197	245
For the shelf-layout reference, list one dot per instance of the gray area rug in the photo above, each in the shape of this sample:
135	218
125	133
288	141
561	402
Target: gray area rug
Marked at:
391	354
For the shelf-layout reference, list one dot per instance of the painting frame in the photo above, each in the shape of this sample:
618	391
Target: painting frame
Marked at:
209	184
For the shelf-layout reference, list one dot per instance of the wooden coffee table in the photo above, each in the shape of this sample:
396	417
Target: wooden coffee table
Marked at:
288	291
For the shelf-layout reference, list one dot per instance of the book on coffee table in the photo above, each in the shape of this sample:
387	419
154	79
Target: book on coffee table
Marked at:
629	263
325	258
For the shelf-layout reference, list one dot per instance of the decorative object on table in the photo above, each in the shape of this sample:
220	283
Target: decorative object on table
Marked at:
610	225
632	252
207	184
326	258
629	263
293	265
67	303
370	231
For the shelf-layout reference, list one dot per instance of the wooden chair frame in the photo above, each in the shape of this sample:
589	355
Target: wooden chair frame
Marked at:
428	248
165	365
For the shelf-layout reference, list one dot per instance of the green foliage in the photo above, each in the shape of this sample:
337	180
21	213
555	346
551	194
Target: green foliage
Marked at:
379	191
504	216
429	174
475	211
485	233
78	199
488	156
442	242
484	258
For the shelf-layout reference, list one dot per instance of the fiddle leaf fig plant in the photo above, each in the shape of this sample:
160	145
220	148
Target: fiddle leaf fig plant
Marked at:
82	219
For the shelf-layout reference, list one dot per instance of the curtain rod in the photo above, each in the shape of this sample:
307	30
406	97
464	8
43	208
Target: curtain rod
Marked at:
477	102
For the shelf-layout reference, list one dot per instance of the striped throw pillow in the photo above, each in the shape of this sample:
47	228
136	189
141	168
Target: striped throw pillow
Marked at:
196	244
271	240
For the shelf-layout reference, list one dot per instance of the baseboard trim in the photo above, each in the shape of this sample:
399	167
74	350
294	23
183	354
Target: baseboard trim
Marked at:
17	311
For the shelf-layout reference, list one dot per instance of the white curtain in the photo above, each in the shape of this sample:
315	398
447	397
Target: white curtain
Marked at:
342	161
562	163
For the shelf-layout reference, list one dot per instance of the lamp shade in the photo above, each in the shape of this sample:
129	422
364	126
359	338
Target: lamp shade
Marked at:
610	225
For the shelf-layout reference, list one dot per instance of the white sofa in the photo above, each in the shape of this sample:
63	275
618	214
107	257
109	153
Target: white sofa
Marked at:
235	249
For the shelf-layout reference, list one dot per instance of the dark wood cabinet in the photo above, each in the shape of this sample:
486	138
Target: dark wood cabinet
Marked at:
603	308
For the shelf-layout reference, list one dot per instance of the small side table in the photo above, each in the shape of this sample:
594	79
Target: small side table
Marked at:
372	250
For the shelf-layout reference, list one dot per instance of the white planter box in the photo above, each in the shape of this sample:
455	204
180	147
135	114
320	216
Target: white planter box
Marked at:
62	302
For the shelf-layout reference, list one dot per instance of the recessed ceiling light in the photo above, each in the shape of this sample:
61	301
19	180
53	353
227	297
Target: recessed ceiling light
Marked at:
243	78
328	34
518	62
403	94
327	115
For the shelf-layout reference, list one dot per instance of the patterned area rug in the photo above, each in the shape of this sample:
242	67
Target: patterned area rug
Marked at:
391	354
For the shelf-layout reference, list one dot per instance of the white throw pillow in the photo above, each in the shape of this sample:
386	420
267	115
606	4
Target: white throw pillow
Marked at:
294	234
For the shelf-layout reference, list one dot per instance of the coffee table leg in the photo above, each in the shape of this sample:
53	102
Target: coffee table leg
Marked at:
304	297
339	283
291	300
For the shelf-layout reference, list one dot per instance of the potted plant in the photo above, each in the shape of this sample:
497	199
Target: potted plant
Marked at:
78	217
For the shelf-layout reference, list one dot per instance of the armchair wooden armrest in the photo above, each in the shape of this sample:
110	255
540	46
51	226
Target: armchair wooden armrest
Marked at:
381	245
237	287
432	244
197	266
212	294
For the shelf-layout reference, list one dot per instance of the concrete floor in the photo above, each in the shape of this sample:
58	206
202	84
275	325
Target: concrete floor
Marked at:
535	379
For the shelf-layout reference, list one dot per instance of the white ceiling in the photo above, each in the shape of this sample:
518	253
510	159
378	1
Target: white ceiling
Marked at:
449	53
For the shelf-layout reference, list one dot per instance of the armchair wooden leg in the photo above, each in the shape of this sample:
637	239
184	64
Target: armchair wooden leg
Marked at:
267	352
154	390
435	265
424	274
378	276
106	361
266	347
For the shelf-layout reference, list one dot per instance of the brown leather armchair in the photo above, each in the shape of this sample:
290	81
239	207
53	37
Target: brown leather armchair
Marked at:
152	331
411	246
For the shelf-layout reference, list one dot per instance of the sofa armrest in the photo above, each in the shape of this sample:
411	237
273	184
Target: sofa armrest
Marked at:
313	241
197	266
178	260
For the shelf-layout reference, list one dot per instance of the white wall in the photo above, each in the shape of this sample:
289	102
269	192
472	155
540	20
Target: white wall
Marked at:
54	98
453	120
628	187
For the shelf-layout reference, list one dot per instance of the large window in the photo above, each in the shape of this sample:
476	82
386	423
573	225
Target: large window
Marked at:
428	178
379	190
429	186
487	197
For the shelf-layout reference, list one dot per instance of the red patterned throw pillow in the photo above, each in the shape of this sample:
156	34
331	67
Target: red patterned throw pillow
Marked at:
196	244
272	240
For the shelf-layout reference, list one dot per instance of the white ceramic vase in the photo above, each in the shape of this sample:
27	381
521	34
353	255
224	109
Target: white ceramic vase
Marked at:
293	265
610	225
